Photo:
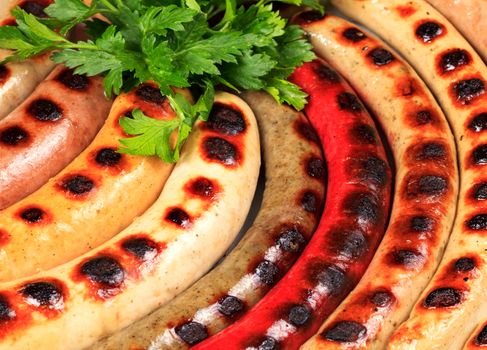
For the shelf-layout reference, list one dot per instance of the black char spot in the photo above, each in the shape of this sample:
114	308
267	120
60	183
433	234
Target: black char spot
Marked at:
354	35
442	297
482	337
326	73
478	222
230	305
316	168
432	185
6	311
421	223
381	299
307	131
32	215
364	206
34	8
467	90
78	184
45	110
364	134
432	151
4	72
349	243
464	264
226	120
150	94
299	315
108	157
480	155
481	191
203	187
73	81
220	150
407	258
42	294
478	123
381	57
375	170
142	248
291	240
104	270
424	117
13	136
454	59
268	344
332	278
428	31
345	332
348	101
179	217
310	202
267	272
192	332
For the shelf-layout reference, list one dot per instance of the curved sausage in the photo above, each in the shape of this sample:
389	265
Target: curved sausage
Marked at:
287	217
89	201
350	229
426	184
469	17
197	216
48	131
478	339
19	79
454	300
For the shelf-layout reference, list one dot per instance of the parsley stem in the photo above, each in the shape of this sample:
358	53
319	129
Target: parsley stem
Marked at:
110	6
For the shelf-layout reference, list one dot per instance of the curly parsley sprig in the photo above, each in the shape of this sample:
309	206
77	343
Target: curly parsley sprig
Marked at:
176	44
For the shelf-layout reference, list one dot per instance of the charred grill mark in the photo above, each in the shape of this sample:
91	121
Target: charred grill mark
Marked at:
104	271
430	151
479	192
477	222
310	201
291	240
299	315
73	81
364	206
465	264
424	117
345	332
306	131
45	110
349	102
329	276
142	248
467	90
364	134
421	223
481	339
267	272
221	151
32	215
108	157
309	17
14	135
442	298
381	57
354	35
77	185
202	187
192	332
453	60
178	217
4	74
426	185
407	258
315	167
230	305
151	94
227	120
382	298
326	73
427	31
479	122
479	155
350	244
7	313
43	294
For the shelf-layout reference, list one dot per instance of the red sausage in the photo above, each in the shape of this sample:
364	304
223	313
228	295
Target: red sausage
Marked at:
353	222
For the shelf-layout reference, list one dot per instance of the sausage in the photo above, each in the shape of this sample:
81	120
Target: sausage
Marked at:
48	131
349	231
99	189
469	17
478	339
19	79
286	219
426	184
197	216
454	300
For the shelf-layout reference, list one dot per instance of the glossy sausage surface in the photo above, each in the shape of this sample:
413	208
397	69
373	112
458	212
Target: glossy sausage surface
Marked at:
426	184
352	224
290	208
478	339
454	301
48	130
197	216
89	201
19	79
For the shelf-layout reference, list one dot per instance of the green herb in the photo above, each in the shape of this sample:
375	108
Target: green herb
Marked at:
176	44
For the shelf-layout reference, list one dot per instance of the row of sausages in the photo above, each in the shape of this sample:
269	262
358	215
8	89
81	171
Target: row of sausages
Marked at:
92	295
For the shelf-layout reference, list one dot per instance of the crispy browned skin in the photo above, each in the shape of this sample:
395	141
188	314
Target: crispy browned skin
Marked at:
453	303
47	131
478	339
426	184
287	217
469	17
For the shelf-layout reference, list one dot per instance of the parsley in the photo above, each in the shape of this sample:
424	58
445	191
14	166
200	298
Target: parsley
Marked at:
176	44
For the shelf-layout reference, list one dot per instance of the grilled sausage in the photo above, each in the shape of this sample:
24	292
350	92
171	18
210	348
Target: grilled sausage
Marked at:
286	219
92	199
198	214
454	301
48	131
352	224
19	79
469	17
478	339
426	184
